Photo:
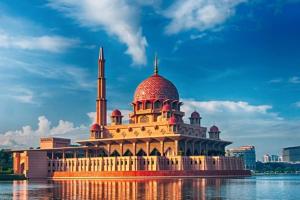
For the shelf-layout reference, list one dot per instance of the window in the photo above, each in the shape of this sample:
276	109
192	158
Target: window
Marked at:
174	106
148	105
139	105
157	104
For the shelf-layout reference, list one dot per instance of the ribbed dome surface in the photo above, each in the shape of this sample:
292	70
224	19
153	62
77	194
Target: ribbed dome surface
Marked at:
156	87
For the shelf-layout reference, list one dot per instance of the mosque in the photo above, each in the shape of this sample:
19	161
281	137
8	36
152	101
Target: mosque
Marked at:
156	142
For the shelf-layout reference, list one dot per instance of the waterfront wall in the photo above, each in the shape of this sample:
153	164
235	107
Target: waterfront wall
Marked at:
145	163
36	164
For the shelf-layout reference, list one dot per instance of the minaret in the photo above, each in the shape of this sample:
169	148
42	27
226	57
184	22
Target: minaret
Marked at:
155	65
101	110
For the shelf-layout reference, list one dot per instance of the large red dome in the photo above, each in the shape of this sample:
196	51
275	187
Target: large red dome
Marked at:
156	87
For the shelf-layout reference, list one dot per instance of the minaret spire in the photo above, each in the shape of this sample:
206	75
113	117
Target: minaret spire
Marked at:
155	64
101	108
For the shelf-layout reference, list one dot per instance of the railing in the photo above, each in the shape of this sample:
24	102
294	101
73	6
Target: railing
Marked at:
148	163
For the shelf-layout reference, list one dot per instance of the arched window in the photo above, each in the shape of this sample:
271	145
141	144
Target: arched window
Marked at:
128	153
141	152
148	105
115	153
102	153
157	104
155	152
174	105
139	105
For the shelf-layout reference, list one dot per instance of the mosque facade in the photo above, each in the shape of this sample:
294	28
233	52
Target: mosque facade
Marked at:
156	142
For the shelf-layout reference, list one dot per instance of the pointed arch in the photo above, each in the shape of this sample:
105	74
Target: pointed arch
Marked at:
128	153
115	153
141	152
155	152
102	153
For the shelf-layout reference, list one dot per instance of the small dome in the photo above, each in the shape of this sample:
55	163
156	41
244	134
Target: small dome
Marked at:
156	87
95	127
172	120
116	113
195	114
214	129
166	108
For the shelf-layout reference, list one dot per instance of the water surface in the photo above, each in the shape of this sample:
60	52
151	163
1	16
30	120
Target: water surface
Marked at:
256	187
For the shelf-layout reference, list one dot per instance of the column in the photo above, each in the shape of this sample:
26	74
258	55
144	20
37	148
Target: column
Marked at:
121	149
162	148
185	147
86	153
176	147
134	148
193	148
75	154
148	148
108	150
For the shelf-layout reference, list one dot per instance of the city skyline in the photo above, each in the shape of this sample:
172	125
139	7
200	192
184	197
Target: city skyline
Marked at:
237	65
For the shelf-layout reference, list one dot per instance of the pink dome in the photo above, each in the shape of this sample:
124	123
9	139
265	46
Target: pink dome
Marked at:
214	129
95	127
172	120
156	87
116	113
166	108
195	115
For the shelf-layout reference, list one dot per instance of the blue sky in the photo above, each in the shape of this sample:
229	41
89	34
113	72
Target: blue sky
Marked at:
237	62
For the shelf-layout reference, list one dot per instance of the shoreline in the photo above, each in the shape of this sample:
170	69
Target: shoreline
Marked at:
11	177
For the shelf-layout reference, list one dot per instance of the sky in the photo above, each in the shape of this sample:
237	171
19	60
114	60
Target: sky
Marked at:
236	62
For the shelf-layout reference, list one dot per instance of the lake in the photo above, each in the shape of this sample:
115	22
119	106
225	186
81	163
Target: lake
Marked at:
256	187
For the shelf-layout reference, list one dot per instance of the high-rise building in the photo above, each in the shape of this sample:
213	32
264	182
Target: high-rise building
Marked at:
245	152
291	154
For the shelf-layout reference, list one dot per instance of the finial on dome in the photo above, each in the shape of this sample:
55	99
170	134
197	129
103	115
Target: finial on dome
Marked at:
101	53
155	64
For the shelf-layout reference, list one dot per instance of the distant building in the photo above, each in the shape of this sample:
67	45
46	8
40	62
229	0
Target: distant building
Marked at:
271	158
291	154
245	152
266	158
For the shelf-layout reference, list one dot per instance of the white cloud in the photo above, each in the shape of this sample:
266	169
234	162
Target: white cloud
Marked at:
245	124
28	137
22	95
72	77
199	36
18	93
297	104
117	17
222	106
294	79
46	43
199	14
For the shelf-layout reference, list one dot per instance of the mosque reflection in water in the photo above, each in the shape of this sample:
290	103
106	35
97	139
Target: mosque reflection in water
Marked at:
119	189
